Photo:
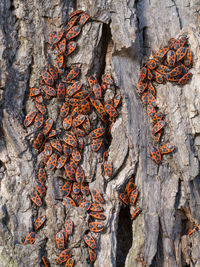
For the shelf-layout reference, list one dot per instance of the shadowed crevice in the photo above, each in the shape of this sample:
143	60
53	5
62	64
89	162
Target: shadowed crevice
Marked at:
124	236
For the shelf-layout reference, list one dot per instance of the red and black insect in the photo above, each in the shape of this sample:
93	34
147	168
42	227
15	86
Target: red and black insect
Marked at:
68	201
48	149
39	99
52	133
106	78
69	262
97	90
76	155
72	75
70	139
152	64
158	77
96	227
40	188
46	76
38	140
135	213
97	133
130	187
133	197
71	46
64	256
41	107
42	176
142	85
163	69
143	73
171	58
158	126
157	136
96	207
61	91
53	71
29	118
191	231
185	79
76	188
83	19
156	155
60	61
56	145
70	171
110	110
52	162
30	238
80	176
158	116
73	32
36	199
45	261
85	189
69	226
89	240
60	240
96	144
76	12
151	111
61	161
64	111
48	90
67	122
85	204
34	92
180	42
47	126
151	89
71	23
166	148
78	120
97	196
108	168
66	189
92	255
39	119
97	215
39	222
171	43
124	198
188	58
180	53
116	100
55	37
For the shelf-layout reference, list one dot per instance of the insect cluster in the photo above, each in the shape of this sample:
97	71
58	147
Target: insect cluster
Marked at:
171	63
62	148
129	197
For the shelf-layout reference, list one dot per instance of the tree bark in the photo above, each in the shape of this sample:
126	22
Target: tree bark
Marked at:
118	39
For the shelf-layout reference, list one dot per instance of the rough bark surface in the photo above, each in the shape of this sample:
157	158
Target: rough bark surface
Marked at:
120	37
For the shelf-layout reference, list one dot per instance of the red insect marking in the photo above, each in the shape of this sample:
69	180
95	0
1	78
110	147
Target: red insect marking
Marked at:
46	76
64	256
136	212
167	148
156	155
106	78
29	118
60	240
52	162
30	238
39	222
124	198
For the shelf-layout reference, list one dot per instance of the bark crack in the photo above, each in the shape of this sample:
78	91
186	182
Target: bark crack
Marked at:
178	14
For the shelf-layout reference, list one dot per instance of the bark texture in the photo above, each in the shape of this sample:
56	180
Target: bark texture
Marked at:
119	38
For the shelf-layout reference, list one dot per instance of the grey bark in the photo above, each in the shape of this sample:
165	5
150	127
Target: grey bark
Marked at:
119	38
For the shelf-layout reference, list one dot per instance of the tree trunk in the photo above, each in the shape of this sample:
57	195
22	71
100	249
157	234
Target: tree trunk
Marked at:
118	39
